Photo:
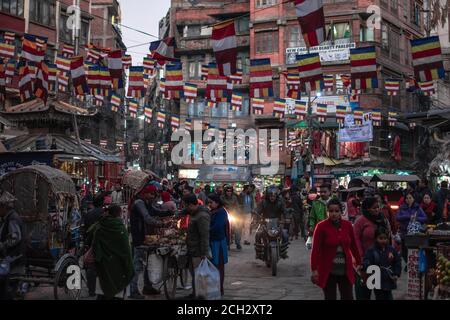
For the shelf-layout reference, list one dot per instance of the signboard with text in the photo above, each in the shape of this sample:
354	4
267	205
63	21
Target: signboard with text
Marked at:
328	52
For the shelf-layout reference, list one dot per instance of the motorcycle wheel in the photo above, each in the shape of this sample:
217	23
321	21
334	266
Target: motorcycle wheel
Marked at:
274	258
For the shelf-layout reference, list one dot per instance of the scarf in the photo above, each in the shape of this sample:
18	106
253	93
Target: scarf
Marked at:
379	221
428	208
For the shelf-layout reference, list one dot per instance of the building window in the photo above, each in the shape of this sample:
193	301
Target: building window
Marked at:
415	13
407	51
266	42
384	3
394	7
384	38
338	31
243	25
65	34
194	69
394	41
265	3
366	34
14	7
43	12
294	39
243	62
405	9
192	31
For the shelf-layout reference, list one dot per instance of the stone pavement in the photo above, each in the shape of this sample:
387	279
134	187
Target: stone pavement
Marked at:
248	278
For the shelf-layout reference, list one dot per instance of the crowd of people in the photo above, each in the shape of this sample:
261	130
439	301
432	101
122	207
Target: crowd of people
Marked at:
347	235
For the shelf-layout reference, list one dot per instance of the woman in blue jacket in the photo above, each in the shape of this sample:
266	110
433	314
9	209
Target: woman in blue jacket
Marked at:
218	235
409	211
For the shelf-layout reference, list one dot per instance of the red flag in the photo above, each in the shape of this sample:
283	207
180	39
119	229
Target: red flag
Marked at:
312	21
224	44
116	68
78	75
41	83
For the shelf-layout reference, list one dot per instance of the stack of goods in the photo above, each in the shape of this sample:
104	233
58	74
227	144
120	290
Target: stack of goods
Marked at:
167	236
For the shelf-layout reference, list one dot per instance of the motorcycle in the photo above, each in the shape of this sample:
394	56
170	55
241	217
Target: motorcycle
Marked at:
268	243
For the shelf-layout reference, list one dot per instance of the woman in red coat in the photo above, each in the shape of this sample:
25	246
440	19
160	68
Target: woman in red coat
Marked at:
333	250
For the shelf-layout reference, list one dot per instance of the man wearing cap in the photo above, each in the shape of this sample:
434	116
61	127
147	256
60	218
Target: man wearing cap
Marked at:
142	215
12	245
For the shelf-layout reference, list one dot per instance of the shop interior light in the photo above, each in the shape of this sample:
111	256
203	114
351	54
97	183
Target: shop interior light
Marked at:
77	158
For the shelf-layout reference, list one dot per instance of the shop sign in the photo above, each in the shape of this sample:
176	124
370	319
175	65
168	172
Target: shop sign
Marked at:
413	278
356	133
188	173
11	162
328	52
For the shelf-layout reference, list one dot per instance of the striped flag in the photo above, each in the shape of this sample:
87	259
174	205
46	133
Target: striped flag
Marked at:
7	50
10	70
78	75
116	69
133	106
68	50
119	144
328	82
126	61
188	124
427	59
312	21
161	119
93	56
2	79
41	44
163	50
105	81
321	112
88	141
236	101
63	81
301	109
135	146
279	108
116	101
211	104
216	85
293	83
151	146
363	65
31	50
174	80
411	84
341	112
224	43
175	122
25	82
93	79
148	114
149	65
427	88
99	100
310	70
136	82
162	88
103	143
236	78
392	118
190	92
9	37
41	84
52	72
205	69
358	114
392	86
62	63
346	80
376	117
33	71
258	106
261	84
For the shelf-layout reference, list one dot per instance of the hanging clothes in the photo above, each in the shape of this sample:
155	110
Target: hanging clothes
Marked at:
396	149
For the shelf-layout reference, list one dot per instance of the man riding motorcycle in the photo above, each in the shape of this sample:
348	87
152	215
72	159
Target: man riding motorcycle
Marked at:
273	209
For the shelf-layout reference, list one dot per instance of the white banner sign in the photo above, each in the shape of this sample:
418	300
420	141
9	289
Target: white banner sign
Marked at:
356	133
328	53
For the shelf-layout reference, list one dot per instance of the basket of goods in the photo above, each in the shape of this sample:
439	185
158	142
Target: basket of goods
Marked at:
443	272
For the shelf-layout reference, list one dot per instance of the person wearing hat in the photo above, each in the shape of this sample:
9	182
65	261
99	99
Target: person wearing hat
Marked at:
12	244
231	203
143	214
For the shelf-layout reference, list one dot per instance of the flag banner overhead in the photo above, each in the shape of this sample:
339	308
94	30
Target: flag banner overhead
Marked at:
224	43
204	72
427	88
341	112
93	79
10	70
190	92
136	82
175	122
279	108
321	112
258	106
363	65
116	101
78	76
427	59
310	69
301	109
25	82
236	78
163	50
148	114
236	101
311	18
7	50
62	63
328	82
68	50
116	69
41	84
376	117
392	86
31	50
127	61
174	80
261	84
9	37
216	85
105	81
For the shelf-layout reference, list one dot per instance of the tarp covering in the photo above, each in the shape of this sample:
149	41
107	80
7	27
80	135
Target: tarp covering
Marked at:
394	178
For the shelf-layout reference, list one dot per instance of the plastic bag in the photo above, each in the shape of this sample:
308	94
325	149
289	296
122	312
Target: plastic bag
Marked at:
309	243
207	281
155	268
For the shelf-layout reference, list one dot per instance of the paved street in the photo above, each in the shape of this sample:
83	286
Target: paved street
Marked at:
248	278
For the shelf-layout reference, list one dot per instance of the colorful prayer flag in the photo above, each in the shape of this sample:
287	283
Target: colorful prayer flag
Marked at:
190	92
25	82
216	85
161	119
133	106
328	81
126	61
341	112
68	50
392	86
427	88
116	69
279	108
311	18
258	106
116	101
310	69
41	84
174	80
376	117
136	82
321	112
301	109
236	102
148	113
7	50
224	43
261	84
78	75
427	59
175	122
363	65
358	114
30	49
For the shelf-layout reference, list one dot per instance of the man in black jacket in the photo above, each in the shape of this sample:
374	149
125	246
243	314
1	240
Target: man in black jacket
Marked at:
143	214
297	205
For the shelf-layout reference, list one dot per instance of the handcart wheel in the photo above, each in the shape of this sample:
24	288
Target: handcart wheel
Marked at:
170	277
65	288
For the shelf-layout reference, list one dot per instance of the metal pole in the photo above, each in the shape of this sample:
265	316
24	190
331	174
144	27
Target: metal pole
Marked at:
76	34
310	146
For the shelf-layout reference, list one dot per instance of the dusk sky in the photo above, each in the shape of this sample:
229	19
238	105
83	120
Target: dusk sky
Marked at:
142	15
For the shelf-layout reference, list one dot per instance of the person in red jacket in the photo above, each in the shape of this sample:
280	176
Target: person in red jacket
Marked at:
334	247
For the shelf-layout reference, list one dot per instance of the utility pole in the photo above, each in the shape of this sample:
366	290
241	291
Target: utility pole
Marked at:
76	38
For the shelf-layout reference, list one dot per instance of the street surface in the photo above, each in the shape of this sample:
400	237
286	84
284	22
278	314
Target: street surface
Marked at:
249	279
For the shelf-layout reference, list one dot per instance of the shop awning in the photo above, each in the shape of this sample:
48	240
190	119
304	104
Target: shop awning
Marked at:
281	170
394	178
224	174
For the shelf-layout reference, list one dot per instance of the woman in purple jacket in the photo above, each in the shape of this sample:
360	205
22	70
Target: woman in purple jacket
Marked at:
409	211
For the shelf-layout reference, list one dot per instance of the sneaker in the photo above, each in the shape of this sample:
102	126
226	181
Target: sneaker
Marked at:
136	296
150	291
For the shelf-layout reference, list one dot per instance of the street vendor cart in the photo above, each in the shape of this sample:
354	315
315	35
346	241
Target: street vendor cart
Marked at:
47	203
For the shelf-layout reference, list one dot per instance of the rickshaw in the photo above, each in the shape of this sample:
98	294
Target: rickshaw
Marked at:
47	202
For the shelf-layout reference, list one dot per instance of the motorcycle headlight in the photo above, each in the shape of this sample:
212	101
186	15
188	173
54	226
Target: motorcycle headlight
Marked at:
272	232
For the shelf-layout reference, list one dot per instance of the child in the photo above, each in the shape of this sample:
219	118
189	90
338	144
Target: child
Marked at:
382	254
